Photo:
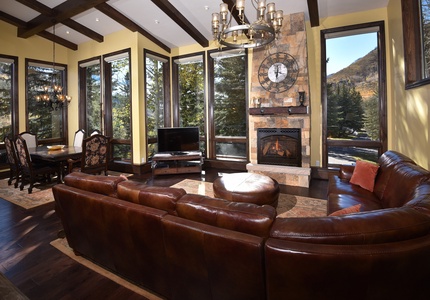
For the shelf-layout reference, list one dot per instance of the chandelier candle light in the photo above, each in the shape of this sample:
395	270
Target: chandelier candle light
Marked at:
257	34
52	96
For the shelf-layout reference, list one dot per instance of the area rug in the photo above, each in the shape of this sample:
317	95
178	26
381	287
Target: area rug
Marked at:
42	194
63	246
289	206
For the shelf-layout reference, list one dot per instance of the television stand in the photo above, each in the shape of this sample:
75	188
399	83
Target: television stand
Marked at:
177	163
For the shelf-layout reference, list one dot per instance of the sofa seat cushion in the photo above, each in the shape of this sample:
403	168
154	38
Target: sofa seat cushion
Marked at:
372	227
163	198
342	194
104	185
244	217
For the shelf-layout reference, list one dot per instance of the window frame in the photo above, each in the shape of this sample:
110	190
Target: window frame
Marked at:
176	96
212	138
413	45
14	94
63	139
380	145
166	92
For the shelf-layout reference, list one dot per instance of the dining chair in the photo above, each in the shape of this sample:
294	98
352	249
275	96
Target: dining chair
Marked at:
79	137
95	156
30	171
95	131
14	165
30	139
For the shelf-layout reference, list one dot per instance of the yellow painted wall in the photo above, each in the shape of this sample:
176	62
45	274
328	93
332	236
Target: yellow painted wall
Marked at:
408	109
34	47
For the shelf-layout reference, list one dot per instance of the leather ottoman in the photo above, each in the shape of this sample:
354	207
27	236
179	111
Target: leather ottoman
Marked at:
247	187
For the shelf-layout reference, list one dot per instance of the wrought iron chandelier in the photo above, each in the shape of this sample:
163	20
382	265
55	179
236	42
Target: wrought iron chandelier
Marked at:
52	96
247	35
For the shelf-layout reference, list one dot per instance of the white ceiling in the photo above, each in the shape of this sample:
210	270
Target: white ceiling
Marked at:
148	16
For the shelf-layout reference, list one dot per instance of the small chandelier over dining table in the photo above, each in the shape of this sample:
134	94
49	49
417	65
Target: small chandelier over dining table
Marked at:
52	96
247	35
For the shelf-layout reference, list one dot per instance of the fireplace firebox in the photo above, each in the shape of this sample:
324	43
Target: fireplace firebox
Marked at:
279	146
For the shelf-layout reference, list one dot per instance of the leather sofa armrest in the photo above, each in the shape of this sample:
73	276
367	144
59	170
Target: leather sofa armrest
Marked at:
105	185
345	172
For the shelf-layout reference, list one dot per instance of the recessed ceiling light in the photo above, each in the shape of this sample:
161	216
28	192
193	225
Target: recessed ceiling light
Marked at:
97	19
68	32
206	7
157	22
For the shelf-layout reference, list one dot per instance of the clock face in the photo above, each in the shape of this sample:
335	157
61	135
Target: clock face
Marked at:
278	72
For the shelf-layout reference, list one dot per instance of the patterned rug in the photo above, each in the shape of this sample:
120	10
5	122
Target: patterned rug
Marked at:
41	194
289	206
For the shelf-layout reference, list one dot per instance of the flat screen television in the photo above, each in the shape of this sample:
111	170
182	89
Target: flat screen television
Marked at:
176	140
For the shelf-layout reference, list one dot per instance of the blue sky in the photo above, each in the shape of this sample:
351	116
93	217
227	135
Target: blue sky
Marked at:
343	51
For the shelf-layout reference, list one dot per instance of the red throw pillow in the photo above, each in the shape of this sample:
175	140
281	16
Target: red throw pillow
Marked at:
364	174
348	210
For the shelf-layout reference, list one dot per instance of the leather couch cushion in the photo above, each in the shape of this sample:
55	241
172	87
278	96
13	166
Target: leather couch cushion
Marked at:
163	198
372	227
402	183
104	185
244	217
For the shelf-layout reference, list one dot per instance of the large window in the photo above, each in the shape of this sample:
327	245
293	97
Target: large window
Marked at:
50	125
118	104
228	105
105	104
91	91
157	97
416	42
8	96
189	95
354	94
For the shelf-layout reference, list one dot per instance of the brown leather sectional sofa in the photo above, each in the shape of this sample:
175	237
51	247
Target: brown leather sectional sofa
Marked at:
184	246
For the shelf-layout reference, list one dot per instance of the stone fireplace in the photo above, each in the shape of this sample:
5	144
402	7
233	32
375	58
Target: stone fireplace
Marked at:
282	111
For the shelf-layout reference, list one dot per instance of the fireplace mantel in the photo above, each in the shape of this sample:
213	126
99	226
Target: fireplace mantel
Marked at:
279	110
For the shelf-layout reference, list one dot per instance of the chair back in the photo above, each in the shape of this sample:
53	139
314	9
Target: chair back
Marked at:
95	154
22	152
30	138
10	151
79	137
95	131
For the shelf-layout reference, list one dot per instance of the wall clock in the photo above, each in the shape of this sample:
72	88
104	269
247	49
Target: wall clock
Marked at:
278	72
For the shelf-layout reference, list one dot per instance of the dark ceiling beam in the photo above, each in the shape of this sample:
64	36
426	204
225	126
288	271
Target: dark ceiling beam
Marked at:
83	30
11	19
129	24
37	6
61	12
45	34
58	40
234	11
177	17
313	13
47	11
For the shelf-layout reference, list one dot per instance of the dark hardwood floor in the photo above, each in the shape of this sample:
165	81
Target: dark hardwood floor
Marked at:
40	271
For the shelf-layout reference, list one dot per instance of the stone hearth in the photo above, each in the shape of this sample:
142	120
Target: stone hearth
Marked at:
294	176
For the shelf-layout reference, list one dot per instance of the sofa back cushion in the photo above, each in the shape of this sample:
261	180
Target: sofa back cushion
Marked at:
401	186
244	217
104	185
163	198
387	161
371	227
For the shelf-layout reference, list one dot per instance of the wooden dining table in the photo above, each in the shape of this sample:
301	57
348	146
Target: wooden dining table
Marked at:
58	157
